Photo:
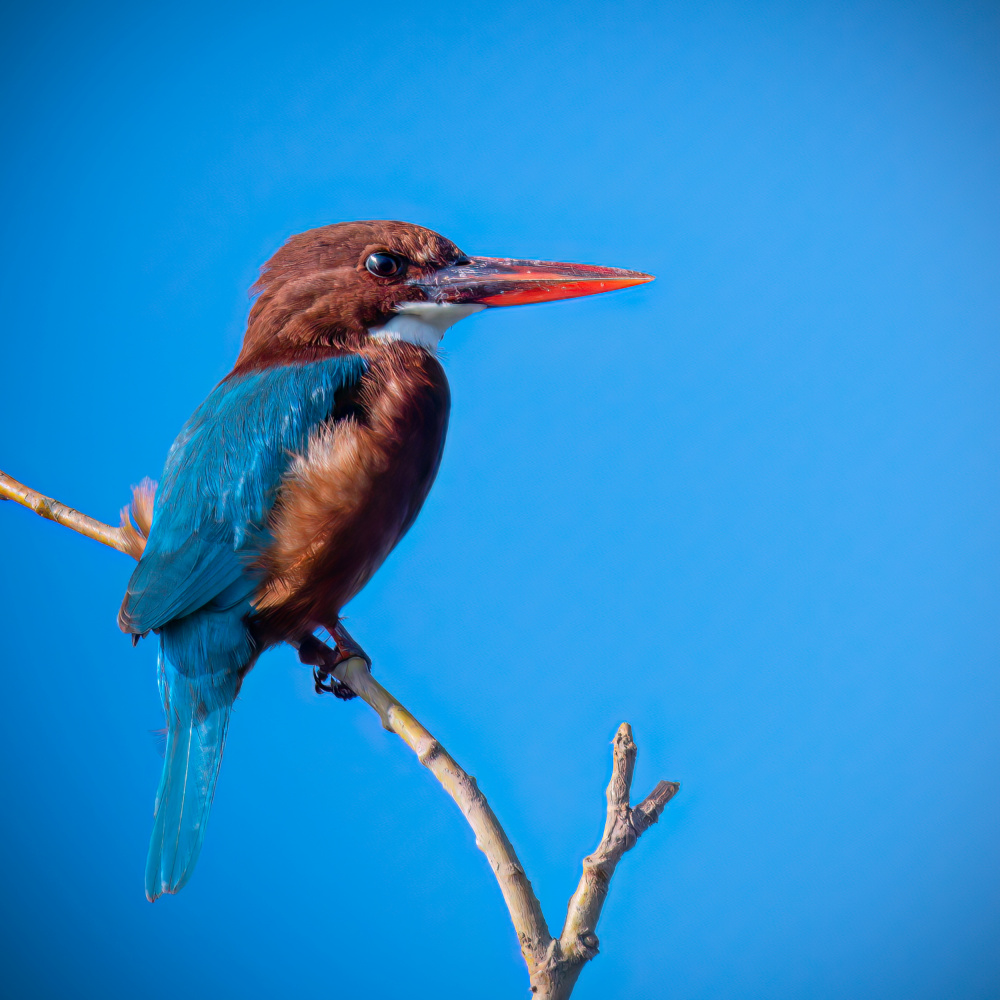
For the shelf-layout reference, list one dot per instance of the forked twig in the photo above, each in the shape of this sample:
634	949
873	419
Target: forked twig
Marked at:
554	964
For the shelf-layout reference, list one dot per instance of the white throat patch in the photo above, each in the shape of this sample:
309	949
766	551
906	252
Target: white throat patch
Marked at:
423	323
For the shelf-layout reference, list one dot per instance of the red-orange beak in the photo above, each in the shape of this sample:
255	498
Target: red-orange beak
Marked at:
497	281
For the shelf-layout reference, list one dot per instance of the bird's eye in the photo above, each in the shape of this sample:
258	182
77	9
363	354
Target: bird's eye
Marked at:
385	265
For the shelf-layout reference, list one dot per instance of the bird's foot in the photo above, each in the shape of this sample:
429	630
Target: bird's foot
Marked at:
317	654
330	684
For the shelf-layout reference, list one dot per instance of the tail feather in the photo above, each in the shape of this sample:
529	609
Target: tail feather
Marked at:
197	721
184	798
203	659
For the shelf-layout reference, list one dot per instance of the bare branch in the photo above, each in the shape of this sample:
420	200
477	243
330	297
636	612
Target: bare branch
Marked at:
623	826
554	964
124	538
522	904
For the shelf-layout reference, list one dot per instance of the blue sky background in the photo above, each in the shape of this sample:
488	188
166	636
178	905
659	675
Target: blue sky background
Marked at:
750	508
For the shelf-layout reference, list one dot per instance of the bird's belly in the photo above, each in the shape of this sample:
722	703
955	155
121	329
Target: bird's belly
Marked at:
345	504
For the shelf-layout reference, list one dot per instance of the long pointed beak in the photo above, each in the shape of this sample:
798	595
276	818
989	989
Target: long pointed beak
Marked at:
497	281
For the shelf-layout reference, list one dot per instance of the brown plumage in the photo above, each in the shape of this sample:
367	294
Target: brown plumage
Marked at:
348	500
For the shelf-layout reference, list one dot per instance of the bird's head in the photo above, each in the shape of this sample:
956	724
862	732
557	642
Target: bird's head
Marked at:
342	286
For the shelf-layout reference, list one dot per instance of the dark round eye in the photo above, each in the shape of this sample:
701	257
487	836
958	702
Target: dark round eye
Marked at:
385	265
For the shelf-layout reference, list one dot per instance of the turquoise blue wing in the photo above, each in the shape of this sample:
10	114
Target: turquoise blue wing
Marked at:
222	476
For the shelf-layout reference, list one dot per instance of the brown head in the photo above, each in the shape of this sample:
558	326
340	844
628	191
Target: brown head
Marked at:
336	288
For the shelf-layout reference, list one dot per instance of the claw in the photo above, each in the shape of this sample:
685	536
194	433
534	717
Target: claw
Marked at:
325	682
317	654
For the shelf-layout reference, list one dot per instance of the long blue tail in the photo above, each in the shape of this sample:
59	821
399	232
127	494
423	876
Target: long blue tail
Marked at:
198	703
184	798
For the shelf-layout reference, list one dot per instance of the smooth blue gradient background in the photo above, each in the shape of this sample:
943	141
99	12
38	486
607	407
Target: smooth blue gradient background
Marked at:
750	508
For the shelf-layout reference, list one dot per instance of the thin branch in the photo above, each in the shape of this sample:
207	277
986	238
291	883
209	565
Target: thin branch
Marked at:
522	904
623	826
554	964
124	538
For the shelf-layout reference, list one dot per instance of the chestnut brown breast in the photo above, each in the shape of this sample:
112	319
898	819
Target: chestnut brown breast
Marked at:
349	499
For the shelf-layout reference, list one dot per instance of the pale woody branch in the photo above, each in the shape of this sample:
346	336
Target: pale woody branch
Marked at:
124	538
622	828
554	964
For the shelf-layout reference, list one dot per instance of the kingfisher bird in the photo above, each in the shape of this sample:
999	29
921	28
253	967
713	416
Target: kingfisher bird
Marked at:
296	477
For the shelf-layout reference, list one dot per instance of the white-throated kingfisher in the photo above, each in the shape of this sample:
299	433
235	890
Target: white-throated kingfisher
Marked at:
292	482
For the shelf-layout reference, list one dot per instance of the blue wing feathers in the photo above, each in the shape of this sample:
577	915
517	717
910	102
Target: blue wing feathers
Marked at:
196	578
220	481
